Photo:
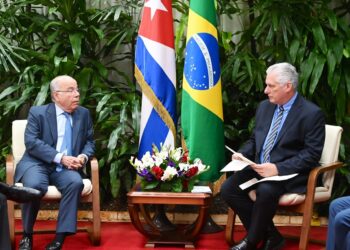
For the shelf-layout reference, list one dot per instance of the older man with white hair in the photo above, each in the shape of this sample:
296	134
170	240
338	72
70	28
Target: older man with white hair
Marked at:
59	141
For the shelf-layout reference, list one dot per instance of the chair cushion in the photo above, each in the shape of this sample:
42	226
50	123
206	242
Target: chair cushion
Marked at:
290	199
53	194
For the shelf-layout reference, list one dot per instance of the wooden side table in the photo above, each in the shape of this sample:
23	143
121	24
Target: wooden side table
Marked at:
185	235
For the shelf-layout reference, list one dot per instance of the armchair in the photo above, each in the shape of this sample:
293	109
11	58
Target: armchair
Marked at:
304	203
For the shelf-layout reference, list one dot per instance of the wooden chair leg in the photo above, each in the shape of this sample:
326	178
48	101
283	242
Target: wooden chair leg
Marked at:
11	216
230	226
95	234
305	229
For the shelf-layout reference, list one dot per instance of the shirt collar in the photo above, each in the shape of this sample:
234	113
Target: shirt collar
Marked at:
287	106
59	111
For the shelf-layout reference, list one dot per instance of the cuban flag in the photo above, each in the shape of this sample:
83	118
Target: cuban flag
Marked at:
155	73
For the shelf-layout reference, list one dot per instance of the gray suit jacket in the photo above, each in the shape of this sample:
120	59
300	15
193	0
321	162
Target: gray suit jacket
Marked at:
41	137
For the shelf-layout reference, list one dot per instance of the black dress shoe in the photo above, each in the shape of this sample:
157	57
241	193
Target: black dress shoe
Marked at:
54	245
25	244
275	241
19	194
244	245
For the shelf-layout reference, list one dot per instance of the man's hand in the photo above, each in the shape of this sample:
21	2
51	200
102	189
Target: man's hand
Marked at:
82	159
71	162
265	169
238	156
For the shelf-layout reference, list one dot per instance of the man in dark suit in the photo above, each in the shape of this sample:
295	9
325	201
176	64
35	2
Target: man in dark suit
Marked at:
14	193
288	138
59	142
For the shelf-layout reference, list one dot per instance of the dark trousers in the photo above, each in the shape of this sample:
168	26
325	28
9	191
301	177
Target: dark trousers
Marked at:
5	243
256	216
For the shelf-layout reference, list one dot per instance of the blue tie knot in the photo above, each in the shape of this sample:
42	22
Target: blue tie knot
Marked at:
67	115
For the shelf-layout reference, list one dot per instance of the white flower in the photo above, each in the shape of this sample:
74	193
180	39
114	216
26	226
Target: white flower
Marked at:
176	154
158	160
183	166
169	173
162	154
138	164
201	167
147	160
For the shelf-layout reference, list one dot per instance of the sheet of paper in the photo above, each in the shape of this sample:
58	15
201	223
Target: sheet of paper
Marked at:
243	158
235	165
253	181
201	189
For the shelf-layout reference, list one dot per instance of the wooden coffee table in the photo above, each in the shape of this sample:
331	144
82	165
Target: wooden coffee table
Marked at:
184	235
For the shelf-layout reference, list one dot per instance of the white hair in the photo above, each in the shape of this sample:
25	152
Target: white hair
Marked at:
54	84
285	73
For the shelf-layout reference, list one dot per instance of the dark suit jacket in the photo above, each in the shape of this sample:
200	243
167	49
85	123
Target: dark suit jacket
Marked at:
299	145
41	137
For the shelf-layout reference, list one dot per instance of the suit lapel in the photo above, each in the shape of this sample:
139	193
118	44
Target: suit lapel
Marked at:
292	115
266	120
52	121
76	127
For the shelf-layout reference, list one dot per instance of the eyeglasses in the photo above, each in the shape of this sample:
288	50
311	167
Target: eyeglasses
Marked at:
68	90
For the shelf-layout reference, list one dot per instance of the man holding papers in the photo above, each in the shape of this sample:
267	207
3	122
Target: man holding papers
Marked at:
288	139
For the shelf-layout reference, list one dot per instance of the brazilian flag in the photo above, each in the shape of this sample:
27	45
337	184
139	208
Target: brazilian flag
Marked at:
201	111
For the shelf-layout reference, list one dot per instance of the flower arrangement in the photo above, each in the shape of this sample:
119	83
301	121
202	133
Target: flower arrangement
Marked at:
168	169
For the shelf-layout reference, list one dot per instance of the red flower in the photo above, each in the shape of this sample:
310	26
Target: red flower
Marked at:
158	172
191	172
185	157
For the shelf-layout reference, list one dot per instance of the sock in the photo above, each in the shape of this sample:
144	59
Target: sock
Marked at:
60	237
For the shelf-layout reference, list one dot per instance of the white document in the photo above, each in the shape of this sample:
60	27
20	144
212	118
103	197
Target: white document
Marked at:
201	189
253	181
235	165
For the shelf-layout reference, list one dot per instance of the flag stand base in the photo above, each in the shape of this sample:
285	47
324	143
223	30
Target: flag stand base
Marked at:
211	227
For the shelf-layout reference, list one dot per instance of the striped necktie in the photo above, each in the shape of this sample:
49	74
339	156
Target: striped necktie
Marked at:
66	147
271	137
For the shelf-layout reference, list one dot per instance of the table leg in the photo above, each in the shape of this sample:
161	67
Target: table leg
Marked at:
135	219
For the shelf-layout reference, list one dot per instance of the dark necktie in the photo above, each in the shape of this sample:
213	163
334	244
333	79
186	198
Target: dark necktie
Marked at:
66	147
271	137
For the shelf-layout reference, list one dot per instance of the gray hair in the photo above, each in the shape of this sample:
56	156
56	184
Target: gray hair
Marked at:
285	73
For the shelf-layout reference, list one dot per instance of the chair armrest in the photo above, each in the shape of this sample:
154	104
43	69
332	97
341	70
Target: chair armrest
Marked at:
314	173
95	179
94	169
312	181
10	169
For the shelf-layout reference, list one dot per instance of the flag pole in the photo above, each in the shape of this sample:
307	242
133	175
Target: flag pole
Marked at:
155	72
210	225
